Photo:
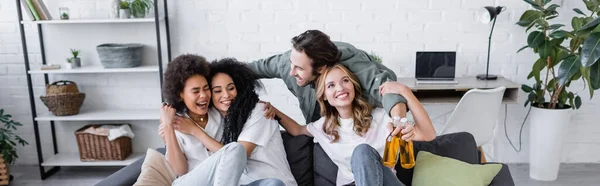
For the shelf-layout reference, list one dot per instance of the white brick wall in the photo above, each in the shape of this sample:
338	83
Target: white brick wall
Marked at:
248	30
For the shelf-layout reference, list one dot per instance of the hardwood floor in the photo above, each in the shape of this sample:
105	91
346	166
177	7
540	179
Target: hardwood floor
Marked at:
570	174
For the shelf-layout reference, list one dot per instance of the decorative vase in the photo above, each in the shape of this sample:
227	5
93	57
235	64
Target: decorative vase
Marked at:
547	133
124	13
114	9
69	65
76	62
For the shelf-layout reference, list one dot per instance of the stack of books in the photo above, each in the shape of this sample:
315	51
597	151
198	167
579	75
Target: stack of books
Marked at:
36	9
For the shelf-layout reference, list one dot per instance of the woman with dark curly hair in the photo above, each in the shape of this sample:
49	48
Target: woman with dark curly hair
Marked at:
234	87
192	129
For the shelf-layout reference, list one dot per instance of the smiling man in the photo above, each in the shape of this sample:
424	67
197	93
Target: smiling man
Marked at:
312	52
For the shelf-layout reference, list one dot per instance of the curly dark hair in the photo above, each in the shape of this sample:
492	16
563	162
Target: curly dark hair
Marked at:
318	47
246	83
178	71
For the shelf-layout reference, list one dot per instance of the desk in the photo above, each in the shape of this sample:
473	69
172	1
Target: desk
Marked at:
452	93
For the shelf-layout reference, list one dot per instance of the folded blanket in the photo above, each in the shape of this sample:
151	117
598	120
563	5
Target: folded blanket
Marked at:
111	131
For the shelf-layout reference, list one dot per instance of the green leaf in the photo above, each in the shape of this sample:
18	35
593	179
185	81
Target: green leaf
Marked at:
595	76
530	15
545	49
579	11
555	26
558	34
591	24
537	67
568	67
551	85
524	23
532	3
531	97
522	48
591	50
544	2
551	17
535	38
551	8
577	23
591	5
577	102
526	88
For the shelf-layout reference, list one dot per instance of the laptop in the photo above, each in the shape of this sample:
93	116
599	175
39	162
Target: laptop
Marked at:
437	67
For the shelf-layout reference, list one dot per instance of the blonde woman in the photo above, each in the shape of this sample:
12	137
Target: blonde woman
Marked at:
352	133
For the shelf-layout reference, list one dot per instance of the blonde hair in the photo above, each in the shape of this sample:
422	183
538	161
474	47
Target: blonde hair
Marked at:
361	110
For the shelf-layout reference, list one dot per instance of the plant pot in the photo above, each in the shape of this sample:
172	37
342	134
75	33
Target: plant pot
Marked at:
124	13
76	62
4	173
69	65
547	133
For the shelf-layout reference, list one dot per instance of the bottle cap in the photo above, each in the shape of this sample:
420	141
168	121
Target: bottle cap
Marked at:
396	120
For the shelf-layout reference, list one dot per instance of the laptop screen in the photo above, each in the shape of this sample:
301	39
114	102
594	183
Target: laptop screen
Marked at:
435	65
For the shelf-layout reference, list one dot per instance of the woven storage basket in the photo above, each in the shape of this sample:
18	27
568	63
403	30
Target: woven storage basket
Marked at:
97	148
63	98
114	55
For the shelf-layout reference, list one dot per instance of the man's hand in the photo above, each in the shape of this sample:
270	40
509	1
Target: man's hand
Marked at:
270	110
393	87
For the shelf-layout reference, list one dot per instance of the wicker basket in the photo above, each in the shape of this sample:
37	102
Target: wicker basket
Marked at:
113	55
97	148
4	174
63	98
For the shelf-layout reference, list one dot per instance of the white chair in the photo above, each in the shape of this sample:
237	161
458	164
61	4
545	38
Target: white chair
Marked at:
476	113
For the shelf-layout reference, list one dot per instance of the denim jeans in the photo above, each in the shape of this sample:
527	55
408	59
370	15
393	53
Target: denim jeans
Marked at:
368	168
224	168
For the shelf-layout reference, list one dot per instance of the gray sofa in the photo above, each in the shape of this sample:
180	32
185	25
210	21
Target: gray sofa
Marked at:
311	166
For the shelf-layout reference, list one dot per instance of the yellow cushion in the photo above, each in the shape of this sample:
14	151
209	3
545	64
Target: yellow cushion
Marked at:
431	169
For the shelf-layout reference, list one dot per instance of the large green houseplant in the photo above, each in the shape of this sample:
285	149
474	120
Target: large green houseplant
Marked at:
565	55
8	139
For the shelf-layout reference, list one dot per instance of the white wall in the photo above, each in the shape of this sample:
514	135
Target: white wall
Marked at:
252	29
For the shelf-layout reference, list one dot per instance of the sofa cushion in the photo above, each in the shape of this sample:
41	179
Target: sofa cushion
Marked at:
155	170
325	169
431	169
299	150
460	146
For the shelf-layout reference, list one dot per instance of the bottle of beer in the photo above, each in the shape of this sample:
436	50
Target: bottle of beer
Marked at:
396	148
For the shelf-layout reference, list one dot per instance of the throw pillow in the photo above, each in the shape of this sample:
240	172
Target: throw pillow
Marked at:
431	169
155	170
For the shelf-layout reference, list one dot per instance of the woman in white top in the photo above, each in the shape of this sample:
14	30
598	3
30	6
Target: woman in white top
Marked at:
233	89
192	129
352	133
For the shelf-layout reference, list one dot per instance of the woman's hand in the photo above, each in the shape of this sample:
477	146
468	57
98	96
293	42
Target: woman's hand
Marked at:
184	125
393	87
167	115
270	110
408	131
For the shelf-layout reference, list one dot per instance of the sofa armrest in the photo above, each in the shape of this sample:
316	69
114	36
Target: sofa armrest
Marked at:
127	175
503	178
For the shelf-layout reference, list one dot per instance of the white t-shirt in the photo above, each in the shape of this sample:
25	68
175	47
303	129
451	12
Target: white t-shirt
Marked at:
268	159
192	148
340	152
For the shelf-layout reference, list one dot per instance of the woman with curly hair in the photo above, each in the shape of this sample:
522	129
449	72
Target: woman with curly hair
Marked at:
352	133
192	129
234	87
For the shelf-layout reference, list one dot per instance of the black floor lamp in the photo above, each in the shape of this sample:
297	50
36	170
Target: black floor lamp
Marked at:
489	14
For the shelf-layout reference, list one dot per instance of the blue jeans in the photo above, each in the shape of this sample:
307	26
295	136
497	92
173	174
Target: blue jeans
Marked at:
224	168
368	168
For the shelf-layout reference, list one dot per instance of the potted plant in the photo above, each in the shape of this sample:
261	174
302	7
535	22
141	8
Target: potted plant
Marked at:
550	98
75	60
124	11
9	140
139	8
69	64
375	57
